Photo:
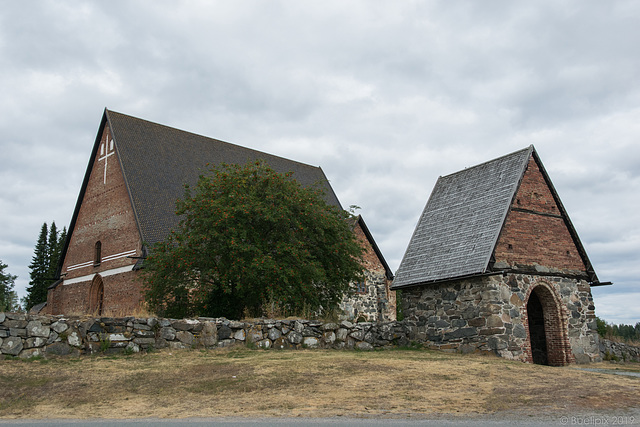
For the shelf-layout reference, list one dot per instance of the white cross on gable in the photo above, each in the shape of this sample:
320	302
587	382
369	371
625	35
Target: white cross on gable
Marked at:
106	151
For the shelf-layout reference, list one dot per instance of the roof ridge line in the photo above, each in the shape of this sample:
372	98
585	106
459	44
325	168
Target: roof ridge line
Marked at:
530	147
209	138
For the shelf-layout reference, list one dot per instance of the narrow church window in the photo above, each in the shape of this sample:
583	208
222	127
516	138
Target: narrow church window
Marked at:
361	288
510	246
98	254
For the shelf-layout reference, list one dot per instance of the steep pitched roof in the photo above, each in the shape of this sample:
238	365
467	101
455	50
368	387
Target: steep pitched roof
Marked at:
461	223
157	161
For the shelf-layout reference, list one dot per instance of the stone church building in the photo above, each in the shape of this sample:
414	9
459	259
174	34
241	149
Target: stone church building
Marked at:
496	265
136	172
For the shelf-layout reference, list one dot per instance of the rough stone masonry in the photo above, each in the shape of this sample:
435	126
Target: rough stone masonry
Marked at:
24	335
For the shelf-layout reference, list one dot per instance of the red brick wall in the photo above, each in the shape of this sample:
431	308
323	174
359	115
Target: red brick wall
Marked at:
534	232
371	260
105	215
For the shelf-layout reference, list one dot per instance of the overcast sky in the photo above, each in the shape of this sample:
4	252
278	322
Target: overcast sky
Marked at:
384	96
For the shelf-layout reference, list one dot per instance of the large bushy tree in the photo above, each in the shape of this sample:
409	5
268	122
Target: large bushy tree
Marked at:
8	297
44	264
249	238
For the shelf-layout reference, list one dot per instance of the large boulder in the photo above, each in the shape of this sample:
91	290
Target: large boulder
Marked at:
11	346
37	329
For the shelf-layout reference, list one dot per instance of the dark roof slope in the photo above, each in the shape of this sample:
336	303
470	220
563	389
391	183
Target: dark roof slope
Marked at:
461	222
158	160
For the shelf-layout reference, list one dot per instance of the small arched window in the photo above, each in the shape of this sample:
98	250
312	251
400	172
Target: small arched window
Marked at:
97	259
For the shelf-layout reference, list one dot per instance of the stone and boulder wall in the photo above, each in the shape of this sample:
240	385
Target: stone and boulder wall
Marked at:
488	314
619	351
26	335
370	302
454	319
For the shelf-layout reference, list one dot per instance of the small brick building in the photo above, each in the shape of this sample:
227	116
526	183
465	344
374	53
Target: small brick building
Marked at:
136	172
496	265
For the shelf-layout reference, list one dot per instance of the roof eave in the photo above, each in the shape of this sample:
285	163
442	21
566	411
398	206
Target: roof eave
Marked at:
375	247
445	280
124	177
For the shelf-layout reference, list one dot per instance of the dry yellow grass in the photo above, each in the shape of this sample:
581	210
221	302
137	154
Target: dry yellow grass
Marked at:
309	383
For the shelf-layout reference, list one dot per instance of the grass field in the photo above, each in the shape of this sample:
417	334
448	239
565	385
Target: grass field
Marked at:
308	383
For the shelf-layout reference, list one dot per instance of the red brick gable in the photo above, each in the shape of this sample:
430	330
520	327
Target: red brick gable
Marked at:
535	231
105	215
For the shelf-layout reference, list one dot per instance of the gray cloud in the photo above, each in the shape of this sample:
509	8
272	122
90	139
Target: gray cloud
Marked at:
385	97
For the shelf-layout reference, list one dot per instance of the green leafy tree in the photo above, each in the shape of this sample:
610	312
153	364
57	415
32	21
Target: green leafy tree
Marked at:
44	264
249	238
8	297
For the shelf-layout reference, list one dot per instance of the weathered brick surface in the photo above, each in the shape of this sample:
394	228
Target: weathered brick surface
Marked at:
535	233
106	216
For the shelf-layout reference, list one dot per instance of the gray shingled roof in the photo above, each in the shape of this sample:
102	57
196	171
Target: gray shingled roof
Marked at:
459	227
158	160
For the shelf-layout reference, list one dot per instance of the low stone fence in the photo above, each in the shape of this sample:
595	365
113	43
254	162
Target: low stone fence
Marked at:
26	335
612	350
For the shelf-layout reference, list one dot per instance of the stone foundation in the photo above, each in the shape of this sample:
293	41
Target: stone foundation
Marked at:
489	314
371	301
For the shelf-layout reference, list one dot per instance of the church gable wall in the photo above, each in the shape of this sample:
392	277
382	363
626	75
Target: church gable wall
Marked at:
372	299
105	216
489	314
535	232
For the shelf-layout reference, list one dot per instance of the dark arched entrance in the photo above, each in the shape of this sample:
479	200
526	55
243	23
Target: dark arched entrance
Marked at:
537	334
548	338
96	296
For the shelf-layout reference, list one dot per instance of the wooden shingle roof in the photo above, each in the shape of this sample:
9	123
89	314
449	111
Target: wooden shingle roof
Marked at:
461	222
457	232
157	161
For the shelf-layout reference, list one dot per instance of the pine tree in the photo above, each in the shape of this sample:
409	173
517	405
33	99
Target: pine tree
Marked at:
55	244
37	289
8	297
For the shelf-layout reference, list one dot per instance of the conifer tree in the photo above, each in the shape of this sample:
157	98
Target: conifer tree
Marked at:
8	297
55	244
40	269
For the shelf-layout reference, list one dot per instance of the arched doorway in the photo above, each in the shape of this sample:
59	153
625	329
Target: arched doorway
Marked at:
537	334
548	338
96	296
